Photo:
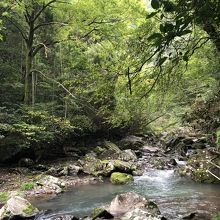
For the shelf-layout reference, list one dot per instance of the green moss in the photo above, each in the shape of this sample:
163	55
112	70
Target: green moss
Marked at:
200	175
29	210
3	197
121	178
99	150
27	186
96	212
216	216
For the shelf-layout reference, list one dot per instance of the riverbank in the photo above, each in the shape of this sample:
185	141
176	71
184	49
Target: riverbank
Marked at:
147	155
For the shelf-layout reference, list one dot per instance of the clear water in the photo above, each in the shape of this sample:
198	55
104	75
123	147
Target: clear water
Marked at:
175	196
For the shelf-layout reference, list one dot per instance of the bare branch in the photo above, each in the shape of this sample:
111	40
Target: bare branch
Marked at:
42	45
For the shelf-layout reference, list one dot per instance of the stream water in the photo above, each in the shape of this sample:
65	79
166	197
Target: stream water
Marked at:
175	196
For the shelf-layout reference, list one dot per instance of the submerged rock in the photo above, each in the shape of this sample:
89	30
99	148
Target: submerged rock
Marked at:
121	178
19	208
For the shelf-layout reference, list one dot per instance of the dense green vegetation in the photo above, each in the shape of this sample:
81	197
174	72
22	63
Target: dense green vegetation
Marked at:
73	68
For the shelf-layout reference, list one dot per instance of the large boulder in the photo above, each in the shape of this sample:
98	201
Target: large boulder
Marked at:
131	142
109	151
19	208
123	166
127	155
129	201
121	178
93	165
49	185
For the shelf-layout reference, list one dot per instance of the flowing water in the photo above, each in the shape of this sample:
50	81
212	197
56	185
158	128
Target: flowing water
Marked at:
175	196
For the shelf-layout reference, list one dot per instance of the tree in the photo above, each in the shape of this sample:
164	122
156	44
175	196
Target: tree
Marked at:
192	23
30	18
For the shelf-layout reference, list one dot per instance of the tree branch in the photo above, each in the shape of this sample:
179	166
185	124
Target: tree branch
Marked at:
41	45
19	29
42	9
49	23
153	85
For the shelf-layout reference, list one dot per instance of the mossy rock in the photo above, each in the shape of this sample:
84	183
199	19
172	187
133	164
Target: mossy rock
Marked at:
123	166
101	213
121	178
19	208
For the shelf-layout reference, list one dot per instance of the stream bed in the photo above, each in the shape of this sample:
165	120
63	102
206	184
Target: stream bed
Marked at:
175	196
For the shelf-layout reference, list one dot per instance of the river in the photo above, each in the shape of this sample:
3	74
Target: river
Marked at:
175	196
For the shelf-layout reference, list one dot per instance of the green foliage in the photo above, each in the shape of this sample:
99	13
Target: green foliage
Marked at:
3	197
216	217
102	65
29	210
27	186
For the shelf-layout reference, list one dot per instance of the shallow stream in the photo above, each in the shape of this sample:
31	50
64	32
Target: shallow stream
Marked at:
175	196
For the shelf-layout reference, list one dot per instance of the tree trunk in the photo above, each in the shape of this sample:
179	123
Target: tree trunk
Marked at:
28	78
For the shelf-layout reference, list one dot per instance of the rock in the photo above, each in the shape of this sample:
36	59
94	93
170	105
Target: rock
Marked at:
48	180
53	171
127	155
64	171
129	201
191	216
64	217
26	162
51	184
139	214
132	142
121	178
149	149
101	213
74	170
17	207
40	167
136	170
93	165
172	162
123	166
111	151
